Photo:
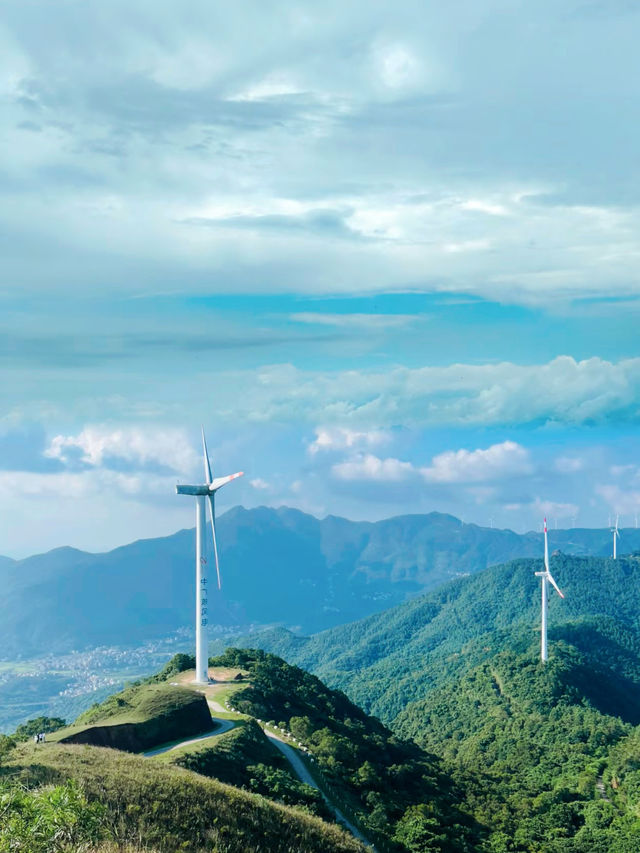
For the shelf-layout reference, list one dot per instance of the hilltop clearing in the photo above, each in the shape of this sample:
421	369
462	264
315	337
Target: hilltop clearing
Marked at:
139	718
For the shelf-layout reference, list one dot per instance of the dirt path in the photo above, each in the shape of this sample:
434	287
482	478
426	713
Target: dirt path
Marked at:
222	727
601	789
303	774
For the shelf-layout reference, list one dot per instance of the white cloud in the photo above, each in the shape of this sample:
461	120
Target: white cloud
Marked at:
370	467
162	111
97	446
562	391
274	85
365	321
482	206
551	510
554	510
259	484
85	485
341	438
619	499
497	462
397	65
569	464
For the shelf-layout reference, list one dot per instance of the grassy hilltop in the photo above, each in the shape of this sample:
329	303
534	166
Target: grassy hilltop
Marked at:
139	718
150	804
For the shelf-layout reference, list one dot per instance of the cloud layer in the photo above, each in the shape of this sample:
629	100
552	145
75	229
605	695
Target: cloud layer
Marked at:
154	148
562	391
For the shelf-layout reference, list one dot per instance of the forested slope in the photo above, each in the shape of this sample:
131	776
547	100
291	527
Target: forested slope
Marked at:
391	658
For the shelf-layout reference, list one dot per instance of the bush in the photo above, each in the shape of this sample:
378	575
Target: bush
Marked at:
49	820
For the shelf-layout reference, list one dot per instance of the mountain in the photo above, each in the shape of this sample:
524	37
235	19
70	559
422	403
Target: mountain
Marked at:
391	658
548	755
332	571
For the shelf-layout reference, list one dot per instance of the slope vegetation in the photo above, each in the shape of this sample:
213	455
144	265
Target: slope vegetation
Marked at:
536	747
150	804
389	659
388	785
547	756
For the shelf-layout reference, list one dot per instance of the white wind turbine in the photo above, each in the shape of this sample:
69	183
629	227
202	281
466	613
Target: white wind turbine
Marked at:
616	536
546	577
204	494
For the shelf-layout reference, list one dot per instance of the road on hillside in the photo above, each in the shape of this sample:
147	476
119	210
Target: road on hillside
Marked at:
303	774
222	727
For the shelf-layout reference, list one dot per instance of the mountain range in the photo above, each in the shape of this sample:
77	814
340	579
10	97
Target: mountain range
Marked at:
280	566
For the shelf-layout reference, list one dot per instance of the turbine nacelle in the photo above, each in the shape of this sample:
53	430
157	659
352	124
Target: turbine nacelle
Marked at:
548	576
192	490
207	489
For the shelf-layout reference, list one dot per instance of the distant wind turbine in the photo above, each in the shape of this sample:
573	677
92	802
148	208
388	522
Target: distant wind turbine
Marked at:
204	494
546	577
616	536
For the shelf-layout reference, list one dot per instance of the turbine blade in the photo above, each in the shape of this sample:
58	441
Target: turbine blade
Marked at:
207	465
219	482
546	547
554	585
212	518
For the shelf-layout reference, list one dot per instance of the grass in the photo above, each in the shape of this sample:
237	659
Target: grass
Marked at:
140	718
152	804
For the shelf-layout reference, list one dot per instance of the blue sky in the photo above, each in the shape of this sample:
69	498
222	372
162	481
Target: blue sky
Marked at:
387	255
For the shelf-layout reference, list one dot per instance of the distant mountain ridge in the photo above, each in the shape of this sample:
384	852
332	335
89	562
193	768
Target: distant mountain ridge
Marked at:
280	566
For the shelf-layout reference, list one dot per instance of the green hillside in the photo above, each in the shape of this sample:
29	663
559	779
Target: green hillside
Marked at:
389	659
535	748
385	783
148	804
244	757
547	756
139	718
391	789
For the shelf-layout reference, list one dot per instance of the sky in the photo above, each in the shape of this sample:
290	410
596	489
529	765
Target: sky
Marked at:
387	255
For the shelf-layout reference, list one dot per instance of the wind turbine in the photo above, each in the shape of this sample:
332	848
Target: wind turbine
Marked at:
546	577
616	536
204	494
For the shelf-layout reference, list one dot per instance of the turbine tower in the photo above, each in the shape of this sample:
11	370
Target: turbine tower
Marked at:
616	536
546	578
204	494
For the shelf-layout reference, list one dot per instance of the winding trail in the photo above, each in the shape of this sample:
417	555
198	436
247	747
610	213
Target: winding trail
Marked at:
601	789
222	726
303	774
292	756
